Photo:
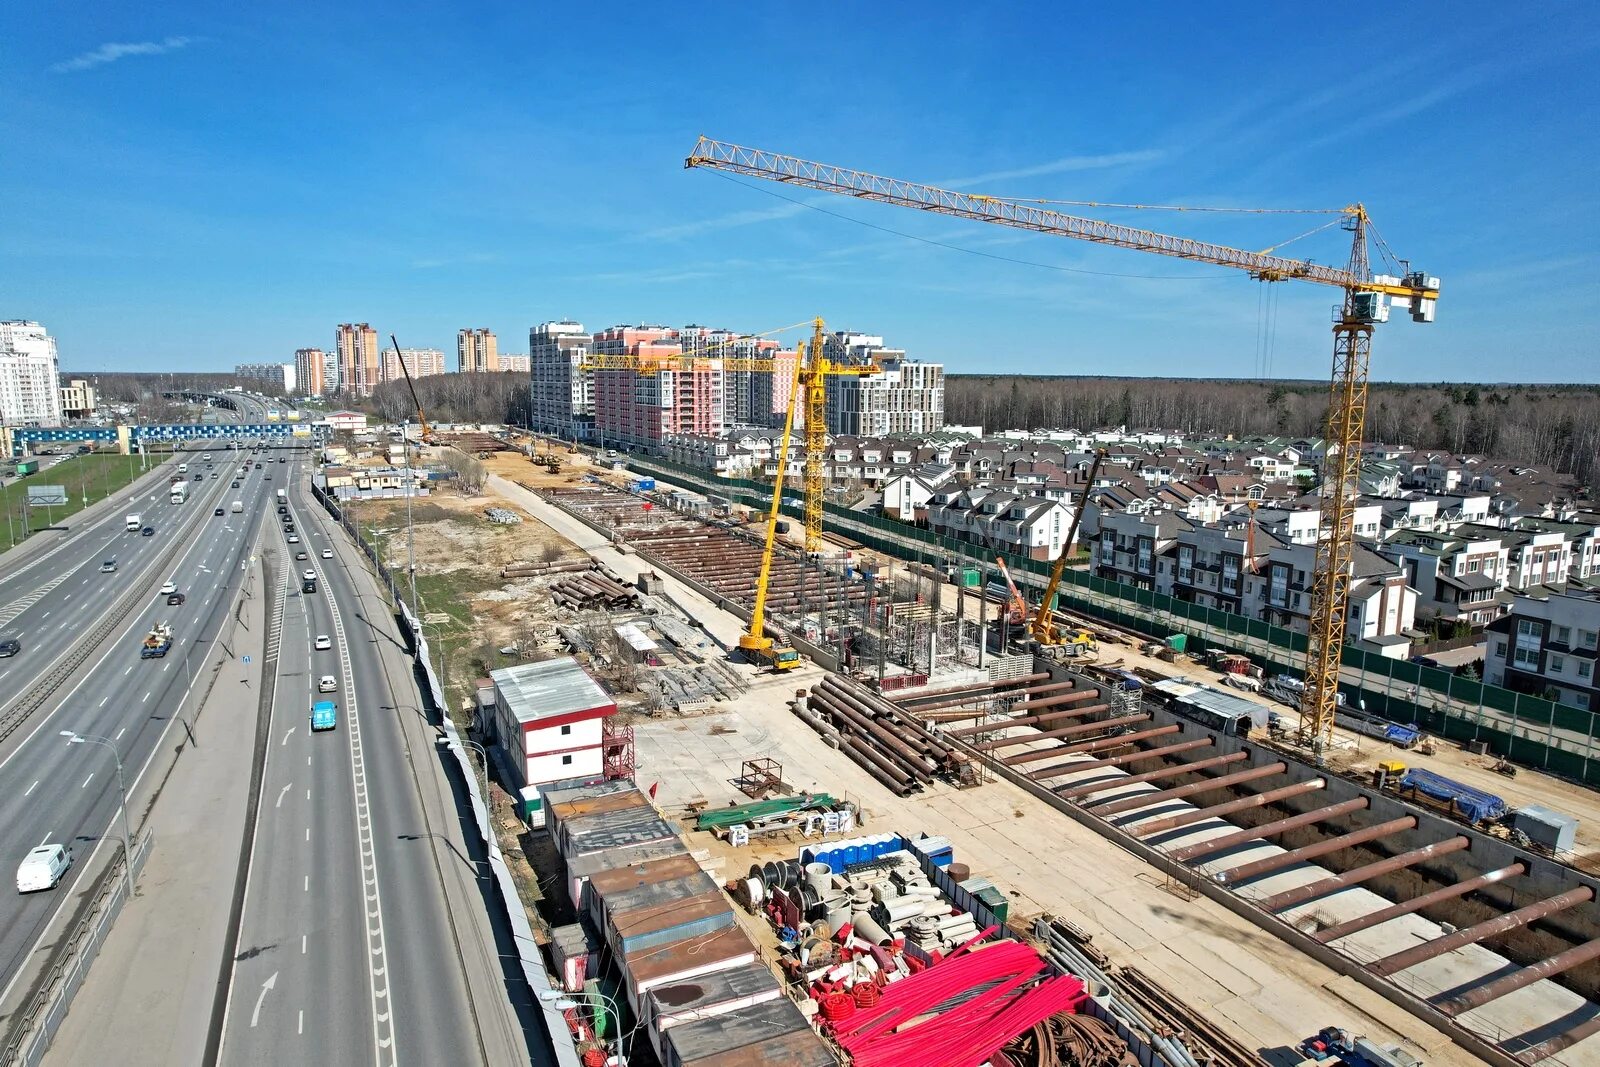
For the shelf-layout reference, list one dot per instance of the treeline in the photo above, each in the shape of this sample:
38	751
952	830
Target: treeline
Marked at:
502	397
129	387
1554	427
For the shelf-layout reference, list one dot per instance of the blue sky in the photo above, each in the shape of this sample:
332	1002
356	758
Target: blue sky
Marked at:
192	185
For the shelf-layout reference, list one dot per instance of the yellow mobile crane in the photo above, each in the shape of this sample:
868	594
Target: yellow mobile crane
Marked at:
1367	301
1044	623
755	644
813	369
422	419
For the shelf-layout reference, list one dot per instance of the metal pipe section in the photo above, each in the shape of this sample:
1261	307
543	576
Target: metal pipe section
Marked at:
967	687
1177	792
1561	1042
1560	963
1069	791
1115	741
1205	848
1125	758
1026	720
1500	924
1300	894
1061	731
1254	800
1246	871
1406	907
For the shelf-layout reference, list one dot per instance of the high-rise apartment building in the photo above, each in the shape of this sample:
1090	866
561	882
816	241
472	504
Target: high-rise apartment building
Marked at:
420	362
514	363
30	377
356	350
476	351
561	391
906	397
315	372
278	375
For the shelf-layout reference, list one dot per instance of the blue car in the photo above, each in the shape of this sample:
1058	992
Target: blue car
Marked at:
324	715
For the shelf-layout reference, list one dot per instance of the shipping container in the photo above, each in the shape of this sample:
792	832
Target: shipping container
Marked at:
582	868
774	1034
595	833
706	997
606	886
679	961
26	467
670	919
660	896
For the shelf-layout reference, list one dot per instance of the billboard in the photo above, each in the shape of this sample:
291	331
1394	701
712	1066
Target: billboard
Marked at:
43	496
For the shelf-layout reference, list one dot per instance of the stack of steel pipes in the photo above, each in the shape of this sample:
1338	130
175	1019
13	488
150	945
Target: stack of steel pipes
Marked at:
886	741
594	590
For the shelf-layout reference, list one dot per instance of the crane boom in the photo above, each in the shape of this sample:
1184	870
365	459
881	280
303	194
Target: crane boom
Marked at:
792	170
421	418
1367	300
756	644
1044	627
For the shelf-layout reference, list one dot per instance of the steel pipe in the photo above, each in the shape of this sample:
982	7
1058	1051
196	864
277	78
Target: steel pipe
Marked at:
1560	963
1026	720
1246	871
1223	760
1254	800
1201	849
875	764
1177	792
914	762
1500	924
1125	758
1561	1042
1028	707
1065	731
1406	907
1056	731
1096	745
973	691
1300	894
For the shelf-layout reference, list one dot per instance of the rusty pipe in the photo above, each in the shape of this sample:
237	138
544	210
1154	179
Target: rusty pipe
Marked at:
975	691
1246	871
1406	907
1179	791
1254	800
1561	1042
1500	924
1560	963
1077	696
1064	731
1090	746
1118	761
914	762
1201	849
1223	760
878	765
1027	720
1300	894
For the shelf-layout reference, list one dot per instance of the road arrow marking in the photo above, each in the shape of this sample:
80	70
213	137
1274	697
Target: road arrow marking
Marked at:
255	1016
287	735
281	793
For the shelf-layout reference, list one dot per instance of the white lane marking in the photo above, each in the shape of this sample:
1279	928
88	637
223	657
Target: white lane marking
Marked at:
281	793
286	736
45	838
302	944
103	701
167	664
87	780
308	794
144	698
120	733
128	671
31	788
300	1024
307	886
255	1016
308	833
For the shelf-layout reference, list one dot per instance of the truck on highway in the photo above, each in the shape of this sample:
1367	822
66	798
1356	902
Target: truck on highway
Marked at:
180	492
157	642
236	507
282	495
134	523
27	467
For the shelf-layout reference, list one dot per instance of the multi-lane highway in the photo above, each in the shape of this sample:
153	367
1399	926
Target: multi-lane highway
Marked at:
52	791
349	949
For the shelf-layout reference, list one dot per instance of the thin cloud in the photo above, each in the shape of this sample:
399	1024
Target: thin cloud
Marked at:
112	51
1060	166
723	222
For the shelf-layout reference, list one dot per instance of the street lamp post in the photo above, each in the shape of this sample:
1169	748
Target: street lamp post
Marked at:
484	754
75	738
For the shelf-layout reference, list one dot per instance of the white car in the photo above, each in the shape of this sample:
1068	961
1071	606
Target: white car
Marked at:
294	539
322	643
43	867
169	587
309	575
327	553
326	684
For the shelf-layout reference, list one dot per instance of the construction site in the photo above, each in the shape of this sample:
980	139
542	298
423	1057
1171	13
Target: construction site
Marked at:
1243	884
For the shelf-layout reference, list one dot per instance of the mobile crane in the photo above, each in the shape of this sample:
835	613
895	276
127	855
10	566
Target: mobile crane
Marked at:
1367	301
422	419
1043	627
755	644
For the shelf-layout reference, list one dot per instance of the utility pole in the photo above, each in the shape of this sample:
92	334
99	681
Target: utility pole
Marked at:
411	533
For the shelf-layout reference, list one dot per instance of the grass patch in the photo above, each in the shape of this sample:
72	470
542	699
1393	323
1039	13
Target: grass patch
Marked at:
96	475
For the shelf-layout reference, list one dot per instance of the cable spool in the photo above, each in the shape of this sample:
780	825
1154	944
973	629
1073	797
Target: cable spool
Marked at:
865	994
757	892
836	1006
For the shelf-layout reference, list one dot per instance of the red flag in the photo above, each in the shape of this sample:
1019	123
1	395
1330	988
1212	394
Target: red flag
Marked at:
653	787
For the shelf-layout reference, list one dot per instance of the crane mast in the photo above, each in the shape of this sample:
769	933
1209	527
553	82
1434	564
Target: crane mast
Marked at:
1367	300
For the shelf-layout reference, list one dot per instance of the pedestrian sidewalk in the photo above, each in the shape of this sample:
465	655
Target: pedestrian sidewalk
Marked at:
149	994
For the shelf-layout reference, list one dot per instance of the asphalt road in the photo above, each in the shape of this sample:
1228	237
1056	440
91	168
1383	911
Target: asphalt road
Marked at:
52	791
348	947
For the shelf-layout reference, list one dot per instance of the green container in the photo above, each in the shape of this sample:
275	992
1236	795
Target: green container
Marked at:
27	467
996	901
1178	642
971	577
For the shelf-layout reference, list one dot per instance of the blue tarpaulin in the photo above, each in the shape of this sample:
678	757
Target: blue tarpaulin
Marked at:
1404	736
1474	804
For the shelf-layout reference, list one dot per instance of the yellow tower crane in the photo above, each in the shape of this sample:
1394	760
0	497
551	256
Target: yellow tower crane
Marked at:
1367	301
810	390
